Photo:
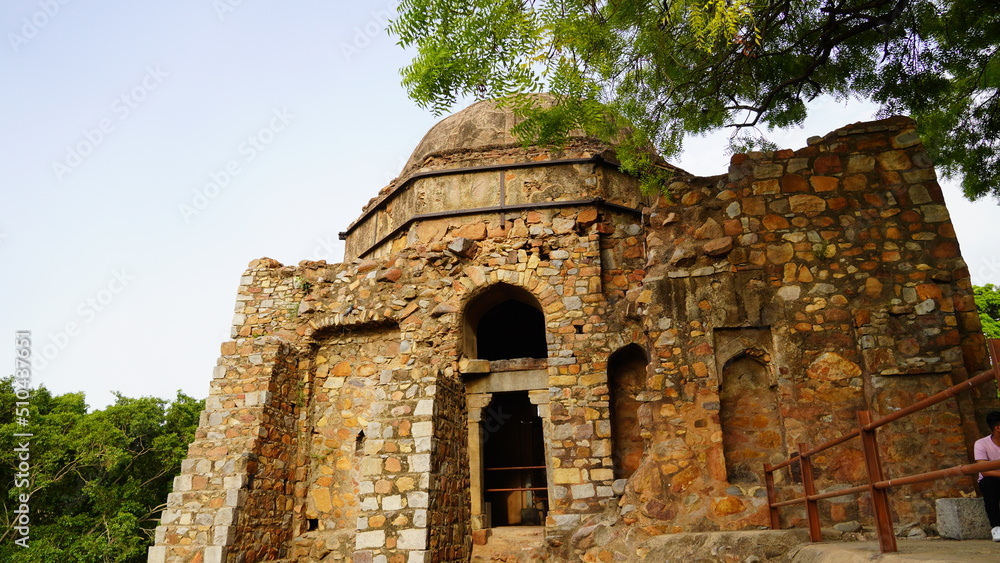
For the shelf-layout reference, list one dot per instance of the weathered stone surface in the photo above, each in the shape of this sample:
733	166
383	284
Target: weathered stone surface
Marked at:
680	346
719	246
831	366
962	519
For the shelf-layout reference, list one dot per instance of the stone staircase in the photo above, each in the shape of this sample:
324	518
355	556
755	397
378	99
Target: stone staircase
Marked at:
512	544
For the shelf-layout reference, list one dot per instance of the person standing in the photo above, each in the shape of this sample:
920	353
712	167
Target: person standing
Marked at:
988	449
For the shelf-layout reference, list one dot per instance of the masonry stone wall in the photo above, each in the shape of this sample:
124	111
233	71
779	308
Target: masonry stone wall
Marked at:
348	416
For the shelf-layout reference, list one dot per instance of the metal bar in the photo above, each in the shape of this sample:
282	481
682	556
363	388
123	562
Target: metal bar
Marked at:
596	159
772	510
824	496
878	485
958	470
495	209
835	442
880	497
789	502
966	385
824	446
809	488
784	464
517	489
525	467
840	493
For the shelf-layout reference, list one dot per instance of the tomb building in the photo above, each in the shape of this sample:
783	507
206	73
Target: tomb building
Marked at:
518	338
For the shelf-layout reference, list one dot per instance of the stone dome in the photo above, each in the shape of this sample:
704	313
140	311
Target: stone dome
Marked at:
483	125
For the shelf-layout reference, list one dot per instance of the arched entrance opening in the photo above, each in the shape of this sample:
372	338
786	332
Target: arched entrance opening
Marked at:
507	401
505	322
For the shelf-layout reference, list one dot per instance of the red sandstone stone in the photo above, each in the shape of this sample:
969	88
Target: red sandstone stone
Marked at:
719	246
824	183
827	164
587	216
791	183
774	222
946	249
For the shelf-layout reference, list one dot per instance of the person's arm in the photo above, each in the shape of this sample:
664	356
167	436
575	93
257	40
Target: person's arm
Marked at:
993	473
981	455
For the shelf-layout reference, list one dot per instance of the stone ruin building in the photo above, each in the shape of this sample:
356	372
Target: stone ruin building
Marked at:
517	336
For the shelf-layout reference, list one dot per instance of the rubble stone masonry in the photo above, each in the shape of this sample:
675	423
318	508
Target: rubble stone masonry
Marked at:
770	304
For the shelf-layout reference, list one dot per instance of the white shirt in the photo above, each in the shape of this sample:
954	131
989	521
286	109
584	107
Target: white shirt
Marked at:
986	450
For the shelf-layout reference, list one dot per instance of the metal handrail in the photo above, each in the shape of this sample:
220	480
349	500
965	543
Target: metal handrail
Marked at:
877	485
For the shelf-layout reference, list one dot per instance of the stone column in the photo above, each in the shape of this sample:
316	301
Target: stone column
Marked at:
476	403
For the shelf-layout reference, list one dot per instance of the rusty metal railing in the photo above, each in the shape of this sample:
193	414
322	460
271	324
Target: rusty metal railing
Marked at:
878	486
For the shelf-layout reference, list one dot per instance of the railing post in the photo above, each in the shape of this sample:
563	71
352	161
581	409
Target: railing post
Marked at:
812	507
880	497
771	496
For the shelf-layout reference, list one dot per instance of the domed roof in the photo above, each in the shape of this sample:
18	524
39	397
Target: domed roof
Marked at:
481	126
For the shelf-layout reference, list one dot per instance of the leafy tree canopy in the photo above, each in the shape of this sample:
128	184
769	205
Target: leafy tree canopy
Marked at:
988	301
98	478
678	67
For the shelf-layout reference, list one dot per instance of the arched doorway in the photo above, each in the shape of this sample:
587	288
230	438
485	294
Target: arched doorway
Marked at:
505	322
508	406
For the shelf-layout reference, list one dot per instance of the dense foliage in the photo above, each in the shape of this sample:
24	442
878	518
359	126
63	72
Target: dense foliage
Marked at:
680	67
98	479
988	302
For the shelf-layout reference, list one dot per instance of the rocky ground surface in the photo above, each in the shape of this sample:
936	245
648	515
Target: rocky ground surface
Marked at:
521	545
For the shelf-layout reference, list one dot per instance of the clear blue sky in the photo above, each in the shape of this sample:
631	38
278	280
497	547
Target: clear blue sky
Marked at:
123	258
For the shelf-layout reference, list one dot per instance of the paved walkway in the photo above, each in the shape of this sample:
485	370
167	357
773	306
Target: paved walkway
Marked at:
910	551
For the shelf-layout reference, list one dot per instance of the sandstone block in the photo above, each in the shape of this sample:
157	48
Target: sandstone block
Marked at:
780	253
566	475
807	204
768	170
463	246
710	229
824	183
368	540
894	160
587	216
475	231
718	247
791	183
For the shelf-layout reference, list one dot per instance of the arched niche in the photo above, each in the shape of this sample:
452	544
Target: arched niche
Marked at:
504	322
750	417
626	379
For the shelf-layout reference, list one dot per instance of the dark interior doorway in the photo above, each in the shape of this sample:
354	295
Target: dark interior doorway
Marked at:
511	329
515	482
